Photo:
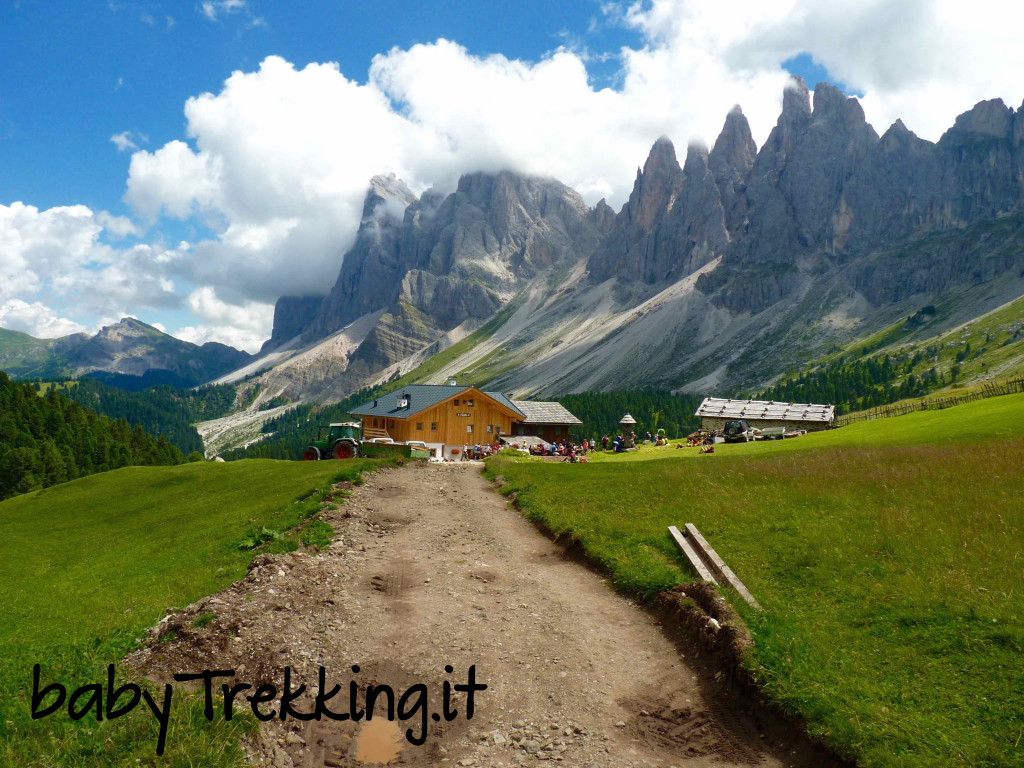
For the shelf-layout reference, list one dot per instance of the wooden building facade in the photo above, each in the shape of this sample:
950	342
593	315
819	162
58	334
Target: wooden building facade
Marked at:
449	417
443	417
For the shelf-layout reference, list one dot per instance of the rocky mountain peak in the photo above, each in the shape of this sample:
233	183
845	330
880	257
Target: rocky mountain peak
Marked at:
730	161
661	158
126	328
796	100
1018	127
835	106
900	139
794	118
990	119
655	187
387	195
696	162
734	147
603	216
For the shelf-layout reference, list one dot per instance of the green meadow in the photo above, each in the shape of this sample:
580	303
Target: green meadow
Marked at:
87	566
889	557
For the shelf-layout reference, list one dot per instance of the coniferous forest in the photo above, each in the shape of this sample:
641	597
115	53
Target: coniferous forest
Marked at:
860	384
600	412
159	410
49	439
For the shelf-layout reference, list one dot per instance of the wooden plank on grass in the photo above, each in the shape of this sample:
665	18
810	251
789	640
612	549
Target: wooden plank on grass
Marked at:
691	555
718	566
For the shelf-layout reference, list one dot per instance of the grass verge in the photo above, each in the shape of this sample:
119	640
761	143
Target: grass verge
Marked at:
87	566
887	555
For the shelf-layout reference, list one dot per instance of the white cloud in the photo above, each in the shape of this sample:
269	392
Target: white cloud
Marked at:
244	326
36	244
173	180
36	320
125	141
118	226
60	253
213	9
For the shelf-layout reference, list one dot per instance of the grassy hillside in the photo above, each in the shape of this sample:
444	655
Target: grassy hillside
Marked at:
87	566
911	359
887	555
24	355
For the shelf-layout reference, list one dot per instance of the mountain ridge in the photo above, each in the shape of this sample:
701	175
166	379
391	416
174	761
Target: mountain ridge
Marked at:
129	347
714	273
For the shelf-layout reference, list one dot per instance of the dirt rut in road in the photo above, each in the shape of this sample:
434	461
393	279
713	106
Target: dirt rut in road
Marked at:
430	568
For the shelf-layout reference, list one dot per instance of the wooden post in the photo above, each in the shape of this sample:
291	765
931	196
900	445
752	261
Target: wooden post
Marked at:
718	566
691	555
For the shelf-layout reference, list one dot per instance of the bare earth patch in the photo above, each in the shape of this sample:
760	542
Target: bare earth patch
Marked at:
431	568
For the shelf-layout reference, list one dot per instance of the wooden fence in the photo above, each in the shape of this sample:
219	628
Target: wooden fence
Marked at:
933	403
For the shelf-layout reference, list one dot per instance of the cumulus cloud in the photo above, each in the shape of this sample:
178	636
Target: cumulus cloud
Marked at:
36	320
244	326
36	244
61	252
174	180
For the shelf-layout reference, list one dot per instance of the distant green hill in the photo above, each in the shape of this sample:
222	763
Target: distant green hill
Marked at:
24	355
129	353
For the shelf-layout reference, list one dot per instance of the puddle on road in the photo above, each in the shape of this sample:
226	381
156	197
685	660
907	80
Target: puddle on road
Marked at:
379	741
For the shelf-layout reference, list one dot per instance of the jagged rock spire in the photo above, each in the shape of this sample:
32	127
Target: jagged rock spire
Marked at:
655	186
731	161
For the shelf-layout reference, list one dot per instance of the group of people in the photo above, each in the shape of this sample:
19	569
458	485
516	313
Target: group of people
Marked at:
570	451
479	451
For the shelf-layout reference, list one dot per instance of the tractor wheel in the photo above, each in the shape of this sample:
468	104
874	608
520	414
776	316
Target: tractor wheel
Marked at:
312	454
343	450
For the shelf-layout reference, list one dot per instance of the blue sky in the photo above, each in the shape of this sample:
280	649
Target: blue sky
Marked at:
139	175
76	74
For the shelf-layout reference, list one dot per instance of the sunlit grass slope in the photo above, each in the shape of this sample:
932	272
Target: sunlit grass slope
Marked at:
87	566
889	556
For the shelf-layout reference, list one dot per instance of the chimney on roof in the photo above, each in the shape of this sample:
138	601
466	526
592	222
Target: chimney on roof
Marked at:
452	382
403	401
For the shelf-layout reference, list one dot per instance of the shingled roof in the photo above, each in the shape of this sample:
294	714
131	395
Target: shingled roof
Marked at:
421	397
720	408
539	412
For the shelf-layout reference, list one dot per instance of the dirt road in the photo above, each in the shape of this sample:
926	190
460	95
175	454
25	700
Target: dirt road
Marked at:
432	568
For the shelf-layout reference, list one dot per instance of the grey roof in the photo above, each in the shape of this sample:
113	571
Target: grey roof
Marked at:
421	397
627	419
720	408
539	412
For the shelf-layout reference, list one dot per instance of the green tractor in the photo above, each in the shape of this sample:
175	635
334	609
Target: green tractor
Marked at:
340	441
344	441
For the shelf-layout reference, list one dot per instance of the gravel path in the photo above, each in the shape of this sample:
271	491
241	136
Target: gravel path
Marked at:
432	568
